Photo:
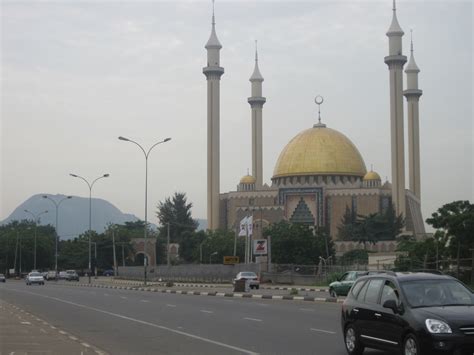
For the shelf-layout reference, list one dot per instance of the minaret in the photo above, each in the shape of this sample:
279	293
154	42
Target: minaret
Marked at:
256	102
412	94
395	61
213	74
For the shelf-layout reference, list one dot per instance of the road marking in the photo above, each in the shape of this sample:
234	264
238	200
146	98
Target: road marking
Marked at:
146	301
26	323
42	330
62	332
162	327
123	297
204	311
106	294
86	345
73	337
322	331
253	319
171	305
307	309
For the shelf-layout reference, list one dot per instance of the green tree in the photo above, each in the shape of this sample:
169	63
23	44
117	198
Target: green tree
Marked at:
220	242
176	212
21	233
297	243
345	231
456	220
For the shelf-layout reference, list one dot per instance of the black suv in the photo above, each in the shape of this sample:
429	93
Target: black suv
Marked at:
413	313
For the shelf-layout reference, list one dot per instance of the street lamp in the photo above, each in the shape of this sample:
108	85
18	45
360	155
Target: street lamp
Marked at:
90	185
35	217
145	259
56	204
210	256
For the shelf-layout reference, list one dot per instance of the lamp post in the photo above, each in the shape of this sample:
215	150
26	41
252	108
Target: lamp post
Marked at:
35	217
90	185
210	256
145	259
56	204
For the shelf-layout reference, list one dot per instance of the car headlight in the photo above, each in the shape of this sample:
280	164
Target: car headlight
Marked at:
436	326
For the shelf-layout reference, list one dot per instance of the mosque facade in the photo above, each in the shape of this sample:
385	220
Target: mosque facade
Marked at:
320	172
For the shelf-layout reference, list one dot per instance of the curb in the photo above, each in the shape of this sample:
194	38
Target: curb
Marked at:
285	288
219	294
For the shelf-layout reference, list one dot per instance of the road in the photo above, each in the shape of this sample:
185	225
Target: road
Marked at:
136	322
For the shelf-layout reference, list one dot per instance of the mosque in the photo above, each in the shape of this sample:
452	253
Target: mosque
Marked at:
320	172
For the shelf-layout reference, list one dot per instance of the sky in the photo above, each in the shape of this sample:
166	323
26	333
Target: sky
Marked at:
78	74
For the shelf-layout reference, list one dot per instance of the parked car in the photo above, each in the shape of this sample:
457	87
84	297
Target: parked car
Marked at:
62	275
410	313
250	276
71	275
51	275
2	278
342	286
34	278
109	272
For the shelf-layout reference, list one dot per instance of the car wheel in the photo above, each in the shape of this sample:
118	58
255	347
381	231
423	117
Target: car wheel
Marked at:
351	340
257	287
410	345
332	293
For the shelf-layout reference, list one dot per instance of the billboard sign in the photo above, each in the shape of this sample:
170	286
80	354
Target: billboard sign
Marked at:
260	247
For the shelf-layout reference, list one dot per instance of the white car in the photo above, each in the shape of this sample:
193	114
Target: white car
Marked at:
34	278
249	276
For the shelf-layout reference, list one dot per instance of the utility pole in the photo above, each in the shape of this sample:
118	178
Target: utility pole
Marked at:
115	256
16	251
168	246
472	266
123	256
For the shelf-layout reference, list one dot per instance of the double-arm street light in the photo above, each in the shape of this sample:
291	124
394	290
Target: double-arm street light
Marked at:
35	217
56	204
146	153
90	185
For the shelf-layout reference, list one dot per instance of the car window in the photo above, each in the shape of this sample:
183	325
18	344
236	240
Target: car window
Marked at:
356	288
389	292
436	292
372	294
362	292
35	274
345	277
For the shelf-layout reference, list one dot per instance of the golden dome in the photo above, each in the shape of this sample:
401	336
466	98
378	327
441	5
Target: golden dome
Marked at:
371	175
320	151
248	179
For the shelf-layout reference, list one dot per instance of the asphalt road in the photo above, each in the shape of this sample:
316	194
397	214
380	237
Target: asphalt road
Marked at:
135	322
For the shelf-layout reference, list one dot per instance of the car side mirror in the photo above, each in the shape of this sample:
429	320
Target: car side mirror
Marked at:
391	304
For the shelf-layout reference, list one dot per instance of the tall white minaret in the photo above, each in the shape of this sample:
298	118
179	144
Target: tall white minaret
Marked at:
213	73
412	94
395	61
256	102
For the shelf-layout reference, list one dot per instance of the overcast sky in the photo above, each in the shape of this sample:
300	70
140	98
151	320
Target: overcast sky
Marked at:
76	75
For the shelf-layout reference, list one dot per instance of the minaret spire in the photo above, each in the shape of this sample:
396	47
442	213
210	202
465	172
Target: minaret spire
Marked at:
213	72
256	102
412	95
395	61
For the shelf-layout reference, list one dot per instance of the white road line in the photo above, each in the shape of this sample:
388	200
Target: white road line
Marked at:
123	297
62	332
86	345
162	327
146	301
322	331
171	305
307	309
205	311
26	323
253	319
42	330
106	294
72	337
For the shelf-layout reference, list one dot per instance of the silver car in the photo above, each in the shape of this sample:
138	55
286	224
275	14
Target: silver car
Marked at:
250	277
34	278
